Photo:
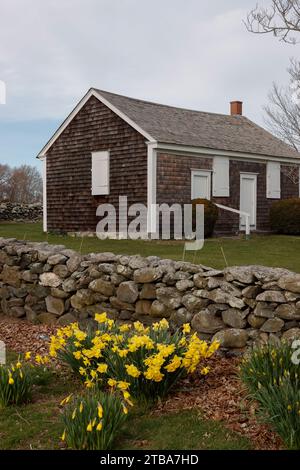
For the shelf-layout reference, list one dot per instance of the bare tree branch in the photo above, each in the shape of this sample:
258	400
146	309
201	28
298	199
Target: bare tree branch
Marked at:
22	184
281	19
283	113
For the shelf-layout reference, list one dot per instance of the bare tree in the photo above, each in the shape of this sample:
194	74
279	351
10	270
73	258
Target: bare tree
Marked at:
25	185
281	18
5	174
283	113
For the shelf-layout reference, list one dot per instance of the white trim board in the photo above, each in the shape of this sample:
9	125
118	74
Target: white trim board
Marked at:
82	102
201	151
44	176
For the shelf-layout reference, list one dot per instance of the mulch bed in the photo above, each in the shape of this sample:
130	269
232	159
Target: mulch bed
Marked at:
219	396
21	336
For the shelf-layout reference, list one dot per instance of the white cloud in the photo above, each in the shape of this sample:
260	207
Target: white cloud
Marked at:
190	53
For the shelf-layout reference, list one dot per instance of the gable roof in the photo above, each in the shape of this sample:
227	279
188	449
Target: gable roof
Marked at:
168	124
171	125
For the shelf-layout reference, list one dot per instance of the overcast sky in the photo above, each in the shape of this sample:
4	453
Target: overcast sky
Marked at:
189	53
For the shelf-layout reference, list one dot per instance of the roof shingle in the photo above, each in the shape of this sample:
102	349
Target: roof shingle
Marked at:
168	124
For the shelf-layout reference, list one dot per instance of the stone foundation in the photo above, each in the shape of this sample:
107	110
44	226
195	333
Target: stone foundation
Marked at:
238	306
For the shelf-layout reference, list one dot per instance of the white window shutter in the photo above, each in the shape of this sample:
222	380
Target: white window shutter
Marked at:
100	173
221	177
201	183
273	180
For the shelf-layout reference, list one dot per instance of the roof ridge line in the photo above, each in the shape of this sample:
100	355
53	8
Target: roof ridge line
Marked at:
167	105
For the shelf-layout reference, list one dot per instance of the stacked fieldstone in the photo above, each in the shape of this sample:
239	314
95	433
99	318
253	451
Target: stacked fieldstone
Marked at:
20	212
238	306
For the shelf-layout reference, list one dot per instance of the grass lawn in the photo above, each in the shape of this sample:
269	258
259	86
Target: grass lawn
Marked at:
37	425
272	250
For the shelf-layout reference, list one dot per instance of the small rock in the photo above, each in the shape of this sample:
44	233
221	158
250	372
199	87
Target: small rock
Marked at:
264	309
234	318
143	307
232	338
254	321
148	291
169	296
66	319
184	285
47	318
291	335
290	283
50	279
287	312
127	292
148	274
205	322
103	287
271	296
55	305
56	259
272	325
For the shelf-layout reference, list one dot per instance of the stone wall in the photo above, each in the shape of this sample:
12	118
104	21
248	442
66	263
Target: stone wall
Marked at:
239	306
20	212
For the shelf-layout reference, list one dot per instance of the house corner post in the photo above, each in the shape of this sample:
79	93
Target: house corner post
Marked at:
151	186
44	162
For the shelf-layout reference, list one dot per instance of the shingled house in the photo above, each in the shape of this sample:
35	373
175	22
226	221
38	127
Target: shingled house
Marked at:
112	145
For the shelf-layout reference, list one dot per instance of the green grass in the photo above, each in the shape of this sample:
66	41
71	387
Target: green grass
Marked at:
37	425
271	250
186	430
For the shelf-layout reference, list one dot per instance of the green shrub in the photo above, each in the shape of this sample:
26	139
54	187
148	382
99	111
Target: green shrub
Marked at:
15	384
92	421
285	216
273	380
211	214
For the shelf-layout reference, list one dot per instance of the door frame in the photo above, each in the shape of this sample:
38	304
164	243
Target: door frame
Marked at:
253	177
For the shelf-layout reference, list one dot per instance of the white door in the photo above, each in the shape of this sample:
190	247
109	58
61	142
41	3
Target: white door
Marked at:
248	198
201	184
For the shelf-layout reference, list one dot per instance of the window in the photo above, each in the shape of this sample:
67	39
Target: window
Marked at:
201	184
221	177
100	173
273	180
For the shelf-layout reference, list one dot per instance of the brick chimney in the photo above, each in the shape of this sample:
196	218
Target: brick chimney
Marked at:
236	107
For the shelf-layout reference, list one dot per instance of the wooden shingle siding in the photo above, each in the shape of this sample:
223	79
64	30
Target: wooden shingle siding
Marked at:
174	185
70	205
174	176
